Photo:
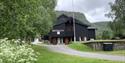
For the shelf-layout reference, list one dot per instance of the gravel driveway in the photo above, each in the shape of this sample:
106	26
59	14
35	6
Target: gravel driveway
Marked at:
66	50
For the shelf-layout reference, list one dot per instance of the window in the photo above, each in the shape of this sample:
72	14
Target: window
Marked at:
58	32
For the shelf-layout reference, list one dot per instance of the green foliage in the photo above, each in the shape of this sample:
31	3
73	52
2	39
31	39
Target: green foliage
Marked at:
102	26
24	19
118	14
80	47
11	51
106	35
116	28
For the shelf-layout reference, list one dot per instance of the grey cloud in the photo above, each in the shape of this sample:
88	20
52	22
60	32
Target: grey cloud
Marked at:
93	9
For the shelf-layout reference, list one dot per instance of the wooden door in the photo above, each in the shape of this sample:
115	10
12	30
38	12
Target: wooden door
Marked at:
54	41
66	40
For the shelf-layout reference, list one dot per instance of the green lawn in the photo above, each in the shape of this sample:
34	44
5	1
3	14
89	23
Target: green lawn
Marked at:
82	47
120	52
46	56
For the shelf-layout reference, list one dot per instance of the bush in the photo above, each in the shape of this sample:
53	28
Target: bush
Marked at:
106	35
16	51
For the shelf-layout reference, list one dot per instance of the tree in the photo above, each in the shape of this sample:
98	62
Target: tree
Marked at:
118	14
106	35
24	19
116	28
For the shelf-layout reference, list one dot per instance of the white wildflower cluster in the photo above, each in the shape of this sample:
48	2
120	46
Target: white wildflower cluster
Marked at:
15	51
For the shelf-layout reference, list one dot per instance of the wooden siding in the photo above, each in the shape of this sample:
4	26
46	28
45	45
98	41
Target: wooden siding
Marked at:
66	23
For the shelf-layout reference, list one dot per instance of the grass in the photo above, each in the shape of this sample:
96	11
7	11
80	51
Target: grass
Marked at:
120	52
82	47
46	56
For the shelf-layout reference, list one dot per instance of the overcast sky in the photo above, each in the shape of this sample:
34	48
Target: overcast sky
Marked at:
94	10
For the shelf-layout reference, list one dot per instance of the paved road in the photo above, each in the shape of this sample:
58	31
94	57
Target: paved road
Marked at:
66	50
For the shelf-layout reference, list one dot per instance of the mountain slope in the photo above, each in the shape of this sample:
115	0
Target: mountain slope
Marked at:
101	25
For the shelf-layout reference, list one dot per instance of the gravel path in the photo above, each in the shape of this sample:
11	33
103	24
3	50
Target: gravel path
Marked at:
66	50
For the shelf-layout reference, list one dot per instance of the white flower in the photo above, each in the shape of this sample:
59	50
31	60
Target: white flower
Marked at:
1	61
12	52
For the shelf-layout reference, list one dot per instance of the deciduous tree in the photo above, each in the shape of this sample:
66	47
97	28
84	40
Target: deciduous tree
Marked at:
118	14
24	19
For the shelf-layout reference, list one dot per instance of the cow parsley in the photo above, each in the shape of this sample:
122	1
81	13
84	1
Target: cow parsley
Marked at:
16	51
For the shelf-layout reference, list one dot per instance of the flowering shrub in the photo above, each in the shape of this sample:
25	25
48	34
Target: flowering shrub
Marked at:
16	51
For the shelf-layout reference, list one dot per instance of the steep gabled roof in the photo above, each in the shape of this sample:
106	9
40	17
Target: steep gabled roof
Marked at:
77	15
61	19
64	18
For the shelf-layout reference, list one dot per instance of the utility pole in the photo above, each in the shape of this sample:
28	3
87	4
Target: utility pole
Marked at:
74	21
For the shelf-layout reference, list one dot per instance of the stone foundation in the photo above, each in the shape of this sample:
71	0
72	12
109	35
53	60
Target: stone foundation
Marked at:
119	46
99	45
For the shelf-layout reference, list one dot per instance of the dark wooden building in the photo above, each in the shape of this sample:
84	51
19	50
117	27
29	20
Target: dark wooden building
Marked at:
63	31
